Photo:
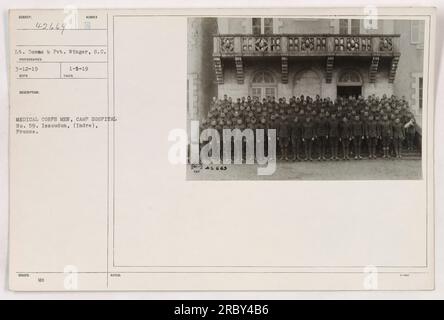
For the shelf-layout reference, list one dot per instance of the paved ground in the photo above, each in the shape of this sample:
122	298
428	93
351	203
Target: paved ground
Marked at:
380	169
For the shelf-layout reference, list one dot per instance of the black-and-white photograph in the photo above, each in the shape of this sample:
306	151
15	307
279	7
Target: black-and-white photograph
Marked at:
225	151
305	98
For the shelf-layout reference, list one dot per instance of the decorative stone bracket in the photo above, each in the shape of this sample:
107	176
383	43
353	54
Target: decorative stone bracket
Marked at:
373	69
393	68
239	70
219	70
284	62
329	69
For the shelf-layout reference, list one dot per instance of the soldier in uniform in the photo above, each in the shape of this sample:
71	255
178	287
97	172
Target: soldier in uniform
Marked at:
379	120
229	124
357	136
261	124
340	112
398	137
410	131
205	124
242	110
308	136
225	101
211	125
386	135
264	125
322	136
364	126
272	124
372	134
296	134
345	137
301	116
283	136
220	127
253	125
333	136
240	125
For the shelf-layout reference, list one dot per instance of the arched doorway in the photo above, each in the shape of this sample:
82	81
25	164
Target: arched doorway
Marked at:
349	84
307	83
263	85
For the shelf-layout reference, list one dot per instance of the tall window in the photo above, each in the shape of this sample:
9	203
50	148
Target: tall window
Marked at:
417	32
257	28
343	26
268	26
420	92
355	26
262	26
347	26
263	85
350	78
256	92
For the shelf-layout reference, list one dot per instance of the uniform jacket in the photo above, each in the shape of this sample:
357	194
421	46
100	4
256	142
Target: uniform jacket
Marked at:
372	129
357	128
410	128
272	124
322	127
386	129
308	130
345	130
283	129
398	131
296	130
333	128
261	125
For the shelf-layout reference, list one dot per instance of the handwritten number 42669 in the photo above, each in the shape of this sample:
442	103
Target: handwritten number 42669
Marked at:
50	26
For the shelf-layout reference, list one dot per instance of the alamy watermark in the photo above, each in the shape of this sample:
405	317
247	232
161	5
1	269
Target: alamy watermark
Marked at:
228	146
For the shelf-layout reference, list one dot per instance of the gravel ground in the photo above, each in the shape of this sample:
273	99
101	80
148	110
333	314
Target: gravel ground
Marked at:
380	169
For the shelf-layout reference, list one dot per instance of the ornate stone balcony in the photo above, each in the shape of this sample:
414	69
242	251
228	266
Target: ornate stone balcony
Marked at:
306	45
239	46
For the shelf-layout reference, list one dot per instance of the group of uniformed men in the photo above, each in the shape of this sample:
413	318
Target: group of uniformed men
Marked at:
303	124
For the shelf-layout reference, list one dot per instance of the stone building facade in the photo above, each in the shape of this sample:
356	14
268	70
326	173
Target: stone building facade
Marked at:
289	57
201	78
